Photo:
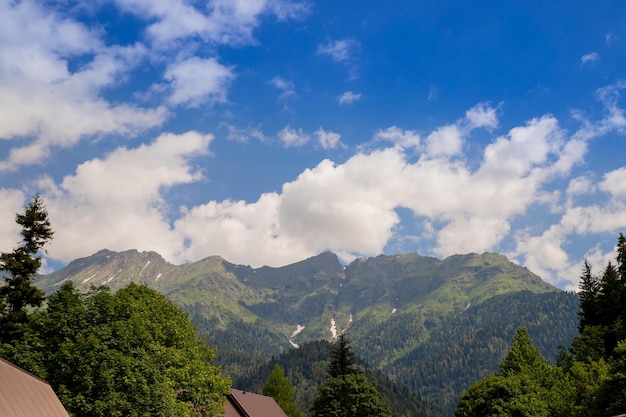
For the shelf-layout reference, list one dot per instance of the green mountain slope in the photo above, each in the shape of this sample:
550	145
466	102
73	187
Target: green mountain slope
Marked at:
408	315
306	369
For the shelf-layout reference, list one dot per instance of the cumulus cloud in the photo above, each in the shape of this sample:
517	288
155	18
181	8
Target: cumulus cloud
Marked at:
348	97
196	81
328	140
98	207
615	183
444	142
399	137
43	103
482	115
291	137
579	186
349	207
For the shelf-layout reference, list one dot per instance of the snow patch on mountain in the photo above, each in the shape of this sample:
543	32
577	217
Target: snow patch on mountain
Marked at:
299	328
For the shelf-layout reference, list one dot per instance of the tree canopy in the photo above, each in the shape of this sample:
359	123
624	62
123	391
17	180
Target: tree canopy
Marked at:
347	392
132	353
280	389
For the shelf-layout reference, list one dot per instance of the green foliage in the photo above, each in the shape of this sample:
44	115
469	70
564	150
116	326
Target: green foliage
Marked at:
341	358
21	265
279	388
523	357
433	325
610	397
132	353
347	392
350	395
526	386
306	368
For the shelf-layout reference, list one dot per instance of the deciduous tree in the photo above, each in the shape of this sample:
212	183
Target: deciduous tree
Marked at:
279	388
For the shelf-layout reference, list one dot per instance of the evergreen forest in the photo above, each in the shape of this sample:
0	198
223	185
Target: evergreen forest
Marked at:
589	378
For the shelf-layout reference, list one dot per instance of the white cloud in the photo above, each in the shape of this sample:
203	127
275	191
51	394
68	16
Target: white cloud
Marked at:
341	50
44	104
287	87
579	185
403	138
590	57
117	203
243	135
348	97
11	202
481	115
344	51
291	137
196	81
229	22
328	140
615	183
444	142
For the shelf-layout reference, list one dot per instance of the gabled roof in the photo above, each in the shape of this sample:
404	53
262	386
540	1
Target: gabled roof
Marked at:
245	404
24	395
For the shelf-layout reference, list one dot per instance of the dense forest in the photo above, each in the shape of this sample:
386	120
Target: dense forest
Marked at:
306	369
589	378
464	349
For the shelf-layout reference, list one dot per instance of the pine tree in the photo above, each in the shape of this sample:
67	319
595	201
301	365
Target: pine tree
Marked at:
22	265
280	389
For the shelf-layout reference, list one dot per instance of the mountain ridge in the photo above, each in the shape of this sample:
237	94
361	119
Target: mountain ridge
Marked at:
401	310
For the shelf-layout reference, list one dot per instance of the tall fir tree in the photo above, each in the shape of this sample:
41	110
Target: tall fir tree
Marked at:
347	392
341	358
22	265
588	296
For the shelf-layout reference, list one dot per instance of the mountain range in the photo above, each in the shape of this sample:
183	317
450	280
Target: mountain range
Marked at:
432	325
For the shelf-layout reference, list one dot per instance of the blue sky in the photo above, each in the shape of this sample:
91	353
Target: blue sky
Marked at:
267	131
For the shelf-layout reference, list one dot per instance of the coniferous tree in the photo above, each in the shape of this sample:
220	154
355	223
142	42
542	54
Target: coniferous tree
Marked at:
588	295
621	258
341	358
280	389
523	356
347	392
610	309
526	386
22	265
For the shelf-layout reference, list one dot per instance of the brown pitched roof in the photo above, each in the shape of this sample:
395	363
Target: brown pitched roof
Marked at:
24	395
245	404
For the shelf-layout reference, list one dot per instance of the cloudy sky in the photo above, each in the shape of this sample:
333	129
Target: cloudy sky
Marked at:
267	131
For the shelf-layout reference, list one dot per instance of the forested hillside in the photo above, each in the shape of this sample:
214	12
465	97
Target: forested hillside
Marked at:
433	325
306	369
589	378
